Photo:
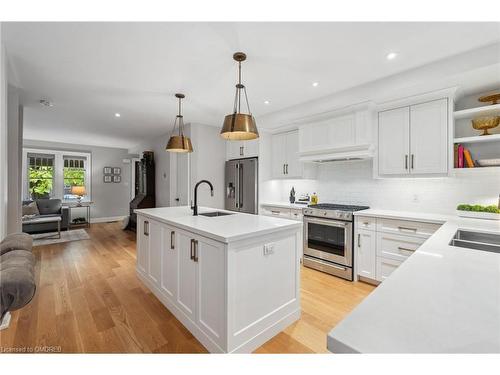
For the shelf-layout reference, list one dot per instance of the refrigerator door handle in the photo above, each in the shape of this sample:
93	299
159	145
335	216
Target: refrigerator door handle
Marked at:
240	186
237	195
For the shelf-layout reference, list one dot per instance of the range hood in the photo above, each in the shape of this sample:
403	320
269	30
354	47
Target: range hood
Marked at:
358	152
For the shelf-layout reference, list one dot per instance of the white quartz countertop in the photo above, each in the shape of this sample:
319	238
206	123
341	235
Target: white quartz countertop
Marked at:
228	228
442	299
406	215
295	206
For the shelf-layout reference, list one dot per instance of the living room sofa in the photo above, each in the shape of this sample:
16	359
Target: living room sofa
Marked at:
47	208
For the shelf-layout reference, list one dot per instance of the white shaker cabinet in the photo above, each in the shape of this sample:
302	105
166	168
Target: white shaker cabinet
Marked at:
428	137
242	149
143	245
285	157
169	261
394	141
366	242
413	140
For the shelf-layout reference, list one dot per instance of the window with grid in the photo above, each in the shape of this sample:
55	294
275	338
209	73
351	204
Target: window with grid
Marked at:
40	175
74	174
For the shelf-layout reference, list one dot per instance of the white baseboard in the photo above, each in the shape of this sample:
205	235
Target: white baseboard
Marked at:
95	220
4	323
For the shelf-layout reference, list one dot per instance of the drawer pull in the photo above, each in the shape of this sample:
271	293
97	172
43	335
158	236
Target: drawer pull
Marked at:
146	228
406	228
275	212
359	239
406	249
365	223
172	240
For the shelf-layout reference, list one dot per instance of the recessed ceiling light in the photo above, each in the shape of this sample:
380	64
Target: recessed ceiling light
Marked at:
117	114
46	103
315	84
266	101
391	55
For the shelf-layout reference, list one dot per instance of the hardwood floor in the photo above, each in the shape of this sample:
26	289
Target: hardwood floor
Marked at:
89	300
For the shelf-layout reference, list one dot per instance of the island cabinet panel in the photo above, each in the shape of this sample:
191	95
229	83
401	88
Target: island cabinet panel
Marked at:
155	251
186	291
211	281
143	245
169	262
263	282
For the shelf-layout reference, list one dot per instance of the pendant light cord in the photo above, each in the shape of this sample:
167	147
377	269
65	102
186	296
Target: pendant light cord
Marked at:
237	98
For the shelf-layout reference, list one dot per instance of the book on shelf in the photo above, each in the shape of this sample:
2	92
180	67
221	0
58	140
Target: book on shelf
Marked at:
460	156
468	158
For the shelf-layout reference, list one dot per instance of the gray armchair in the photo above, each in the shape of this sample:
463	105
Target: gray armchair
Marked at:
47	208
17	275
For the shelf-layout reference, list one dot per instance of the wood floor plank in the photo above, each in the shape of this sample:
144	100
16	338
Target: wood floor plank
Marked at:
90	300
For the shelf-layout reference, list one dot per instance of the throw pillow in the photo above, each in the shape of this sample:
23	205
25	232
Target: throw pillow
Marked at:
30	209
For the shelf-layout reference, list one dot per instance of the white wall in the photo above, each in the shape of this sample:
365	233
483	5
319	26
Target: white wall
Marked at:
3	139
351	182
111	200
14	164
206	162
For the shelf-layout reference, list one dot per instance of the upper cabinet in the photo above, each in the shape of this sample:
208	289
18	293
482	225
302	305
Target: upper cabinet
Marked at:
348	135
242	149
413	140
285	157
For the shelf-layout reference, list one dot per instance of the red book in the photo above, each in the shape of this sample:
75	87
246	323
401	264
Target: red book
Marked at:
460	156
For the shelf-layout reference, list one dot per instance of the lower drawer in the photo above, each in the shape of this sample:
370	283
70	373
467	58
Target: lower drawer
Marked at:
385	267
396	246
278	212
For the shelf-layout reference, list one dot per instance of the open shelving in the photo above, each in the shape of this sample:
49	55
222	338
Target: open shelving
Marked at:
487	110
478	139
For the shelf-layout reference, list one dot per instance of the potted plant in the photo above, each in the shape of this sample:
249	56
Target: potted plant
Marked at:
478	211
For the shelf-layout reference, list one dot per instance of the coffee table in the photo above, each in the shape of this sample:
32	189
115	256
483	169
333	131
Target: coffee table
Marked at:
50	219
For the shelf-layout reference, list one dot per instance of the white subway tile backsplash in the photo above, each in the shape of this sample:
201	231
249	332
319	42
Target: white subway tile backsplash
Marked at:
351	182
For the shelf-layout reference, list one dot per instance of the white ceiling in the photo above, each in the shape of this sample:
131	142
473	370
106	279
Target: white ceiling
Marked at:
92	70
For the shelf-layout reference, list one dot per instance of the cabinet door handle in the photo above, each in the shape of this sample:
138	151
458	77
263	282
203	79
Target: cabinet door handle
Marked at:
406	161
286	168
195	251
406	228
192	249
405	249
275	212
241	150
283	168
146	228
172	240
412	160
359	239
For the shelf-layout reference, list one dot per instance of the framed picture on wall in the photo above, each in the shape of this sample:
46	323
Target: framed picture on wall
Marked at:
108	178
117	170
117	179
107	170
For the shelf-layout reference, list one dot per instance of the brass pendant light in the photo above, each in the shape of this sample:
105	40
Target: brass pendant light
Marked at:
239	126
179	143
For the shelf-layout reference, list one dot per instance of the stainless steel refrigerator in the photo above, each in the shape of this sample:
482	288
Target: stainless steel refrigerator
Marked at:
242	187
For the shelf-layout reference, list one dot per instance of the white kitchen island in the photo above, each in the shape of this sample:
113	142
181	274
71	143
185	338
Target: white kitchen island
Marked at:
233	281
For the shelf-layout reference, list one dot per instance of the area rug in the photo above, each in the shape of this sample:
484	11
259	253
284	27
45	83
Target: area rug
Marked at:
66	236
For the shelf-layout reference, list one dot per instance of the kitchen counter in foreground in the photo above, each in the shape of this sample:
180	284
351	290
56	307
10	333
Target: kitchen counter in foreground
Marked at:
442	299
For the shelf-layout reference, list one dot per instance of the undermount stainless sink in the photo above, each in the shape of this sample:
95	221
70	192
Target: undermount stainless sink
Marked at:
477	240
215	213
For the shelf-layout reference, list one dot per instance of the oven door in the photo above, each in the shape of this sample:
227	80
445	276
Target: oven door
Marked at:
330	240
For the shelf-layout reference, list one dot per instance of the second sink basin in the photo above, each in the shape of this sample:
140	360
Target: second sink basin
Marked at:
215	213
477	240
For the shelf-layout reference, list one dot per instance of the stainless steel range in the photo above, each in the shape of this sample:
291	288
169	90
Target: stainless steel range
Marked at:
329	238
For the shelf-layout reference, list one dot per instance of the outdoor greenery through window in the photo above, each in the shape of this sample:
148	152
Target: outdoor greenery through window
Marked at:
73	175
41	176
